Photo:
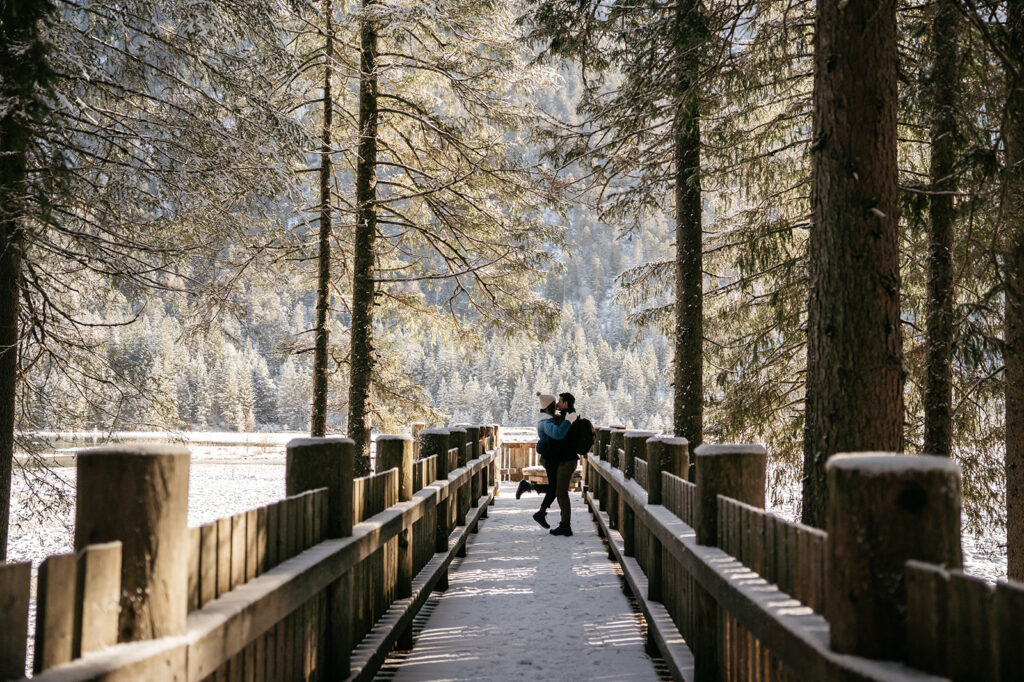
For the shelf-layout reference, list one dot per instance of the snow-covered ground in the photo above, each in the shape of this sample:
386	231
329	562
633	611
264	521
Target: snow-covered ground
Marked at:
245	473
217	488
554	607
984	556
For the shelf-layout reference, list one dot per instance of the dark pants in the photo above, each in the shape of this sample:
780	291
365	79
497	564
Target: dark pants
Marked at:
557	487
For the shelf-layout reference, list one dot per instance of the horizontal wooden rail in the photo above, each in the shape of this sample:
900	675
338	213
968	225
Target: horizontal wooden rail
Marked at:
371	653
791	631
222	628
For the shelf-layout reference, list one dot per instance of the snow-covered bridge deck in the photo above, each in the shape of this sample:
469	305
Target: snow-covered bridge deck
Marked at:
524	604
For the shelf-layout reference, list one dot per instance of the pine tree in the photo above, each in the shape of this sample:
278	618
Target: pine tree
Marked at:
854	393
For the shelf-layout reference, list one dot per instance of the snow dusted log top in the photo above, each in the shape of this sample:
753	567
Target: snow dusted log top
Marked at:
736	471
316	442
433	432
717	450
135	449
882	463
312	463
882	511
393	438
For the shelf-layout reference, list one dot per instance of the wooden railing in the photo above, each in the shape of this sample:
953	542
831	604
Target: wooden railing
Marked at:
514	457
321	585
731	592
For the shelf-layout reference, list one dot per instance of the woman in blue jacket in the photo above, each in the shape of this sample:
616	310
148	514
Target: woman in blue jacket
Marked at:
548	431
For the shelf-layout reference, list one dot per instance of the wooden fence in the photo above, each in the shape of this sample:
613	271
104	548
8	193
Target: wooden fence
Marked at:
515	457
320	585
731	592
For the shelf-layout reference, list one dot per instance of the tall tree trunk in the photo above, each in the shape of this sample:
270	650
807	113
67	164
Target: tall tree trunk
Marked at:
854	395
12	189
24	74
688	374
318	419
944	81
363	286
1013	352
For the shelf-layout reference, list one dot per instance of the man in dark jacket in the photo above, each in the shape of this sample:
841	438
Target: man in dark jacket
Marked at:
560	460
566	457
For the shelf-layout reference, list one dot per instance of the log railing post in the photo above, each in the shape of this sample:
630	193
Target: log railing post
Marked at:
473	446
663	454
473	439
434	442
312	463
496	462
414	433
634	443
138	494
396	452
884	510
615	441
458	439
601	439
738	472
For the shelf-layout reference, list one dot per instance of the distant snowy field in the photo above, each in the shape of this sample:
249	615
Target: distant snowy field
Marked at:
234	472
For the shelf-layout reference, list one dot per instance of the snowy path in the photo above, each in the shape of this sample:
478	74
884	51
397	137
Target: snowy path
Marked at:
525	605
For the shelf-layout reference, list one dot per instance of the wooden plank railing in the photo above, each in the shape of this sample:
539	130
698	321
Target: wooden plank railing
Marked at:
790	555
679	496
76	608
229	552
640	468
272	593
232	551
751	604
423	472
515	457
374	493
962	627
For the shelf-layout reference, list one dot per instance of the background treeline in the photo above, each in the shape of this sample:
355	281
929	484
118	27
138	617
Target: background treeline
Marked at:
352	215
251	369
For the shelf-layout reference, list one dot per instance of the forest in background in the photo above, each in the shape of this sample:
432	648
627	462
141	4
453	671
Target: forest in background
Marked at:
250	369
191	246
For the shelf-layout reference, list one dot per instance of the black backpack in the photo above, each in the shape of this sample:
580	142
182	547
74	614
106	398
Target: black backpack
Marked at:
584	437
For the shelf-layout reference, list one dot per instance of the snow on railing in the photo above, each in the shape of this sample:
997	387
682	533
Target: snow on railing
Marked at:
730	591
280	592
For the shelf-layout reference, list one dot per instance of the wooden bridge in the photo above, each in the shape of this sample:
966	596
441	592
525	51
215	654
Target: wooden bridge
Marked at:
331	582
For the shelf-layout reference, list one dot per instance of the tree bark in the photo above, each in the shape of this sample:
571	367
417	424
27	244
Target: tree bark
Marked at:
12	189
318	417
688	371
363	286
24	73
854	391
944	84
1013	352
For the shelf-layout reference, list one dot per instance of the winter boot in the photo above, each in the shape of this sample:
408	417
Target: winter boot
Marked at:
539	517
562	529
524	487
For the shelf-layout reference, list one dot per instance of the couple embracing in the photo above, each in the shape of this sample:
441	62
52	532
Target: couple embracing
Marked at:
561	438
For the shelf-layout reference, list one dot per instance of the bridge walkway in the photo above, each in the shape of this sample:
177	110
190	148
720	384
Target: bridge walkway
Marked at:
526	605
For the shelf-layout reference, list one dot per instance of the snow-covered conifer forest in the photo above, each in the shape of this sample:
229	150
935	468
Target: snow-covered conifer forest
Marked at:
342	216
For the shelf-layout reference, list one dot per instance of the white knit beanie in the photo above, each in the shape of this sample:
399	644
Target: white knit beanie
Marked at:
545	400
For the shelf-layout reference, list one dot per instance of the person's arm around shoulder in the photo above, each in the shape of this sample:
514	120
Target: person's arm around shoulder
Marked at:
557	431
